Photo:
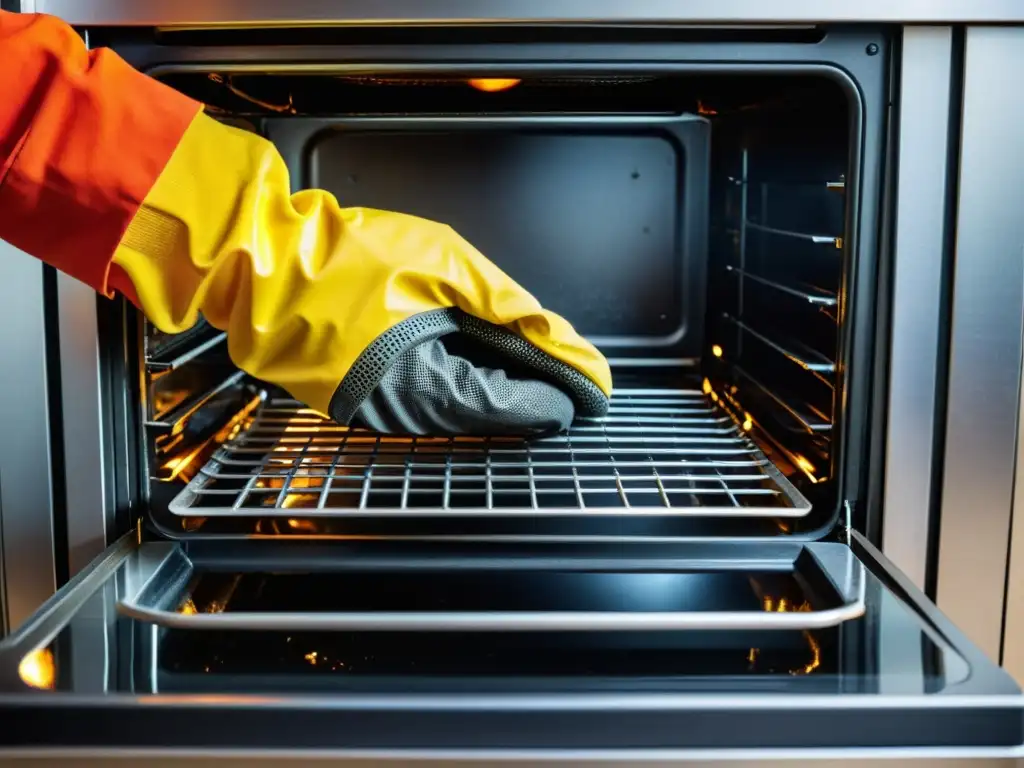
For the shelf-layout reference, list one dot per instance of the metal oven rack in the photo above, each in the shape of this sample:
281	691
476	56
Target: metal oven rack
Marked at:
658	452
775	373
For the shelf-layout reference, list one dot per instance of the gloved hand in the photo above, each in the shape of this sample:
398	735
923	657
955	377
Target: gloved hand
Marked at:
374	318
123	183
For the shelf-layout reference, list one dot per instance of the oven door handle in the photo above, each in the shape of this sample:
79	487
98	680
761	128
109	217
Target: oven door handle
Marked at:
499	621
162	599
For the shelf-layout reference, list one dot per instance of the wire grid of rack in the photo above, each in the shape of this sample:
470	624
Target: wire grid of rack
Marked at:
657	452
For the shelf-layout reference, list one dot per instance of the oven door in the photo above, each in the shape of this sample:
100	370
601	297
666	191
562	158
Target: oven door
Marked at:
403	648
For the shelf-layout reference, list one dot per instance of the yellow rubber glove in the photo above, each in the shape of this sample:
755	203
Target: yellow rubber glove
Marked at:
351	310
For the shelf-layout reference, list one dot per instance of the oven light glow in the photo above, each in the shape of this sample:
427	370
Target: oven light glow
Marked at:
716	350
37	669
494	84
748	422
707	387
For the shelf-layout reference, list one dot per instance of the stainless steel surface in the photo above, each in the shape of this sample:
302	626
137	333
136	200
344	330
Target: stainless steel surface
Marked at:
985	363
836	758
1013	621
61	608
90	521
3	585
921	198
26	503
658	452
233	12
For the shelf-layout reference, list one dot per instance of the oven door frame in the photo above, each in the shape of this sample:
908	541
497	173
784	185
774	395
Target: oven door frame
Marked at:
979	714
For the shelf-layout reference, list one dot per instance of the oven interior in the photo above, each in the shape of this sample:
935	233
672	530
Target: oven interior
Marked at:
693	225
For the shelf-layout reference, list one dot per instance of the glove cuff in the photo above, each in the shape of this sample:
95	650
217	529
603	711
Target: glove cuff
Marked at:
83	139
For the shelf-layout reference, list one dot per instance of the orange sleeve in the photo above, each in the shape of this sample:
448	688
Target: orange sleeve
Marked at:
83	138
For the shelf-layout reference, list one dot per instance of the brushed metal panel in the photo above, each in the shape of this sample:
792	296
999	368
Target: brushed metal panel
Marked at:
154	759
921	199
90	522
1013	627
985	362
88	519
234	12
26	504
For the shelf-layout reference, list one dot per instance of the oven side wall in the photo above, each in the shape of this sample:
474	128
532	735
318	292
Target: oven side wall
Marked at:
987	322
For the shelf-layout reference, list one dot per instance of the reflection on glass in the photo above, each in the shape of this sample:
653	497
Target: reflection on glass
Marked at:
815	661
188	607
204	597
38	669
775	604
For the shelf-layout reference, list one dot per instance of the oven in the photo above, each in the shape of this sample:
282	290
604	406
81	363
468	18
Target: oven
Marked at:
792	238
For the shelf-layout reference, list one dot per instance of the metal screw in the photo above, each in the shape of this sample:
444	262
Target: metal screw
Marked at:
872	49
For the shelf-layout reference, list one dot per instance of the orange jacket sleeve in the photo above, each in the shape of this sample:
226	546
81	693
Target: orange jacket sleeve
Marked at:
83	138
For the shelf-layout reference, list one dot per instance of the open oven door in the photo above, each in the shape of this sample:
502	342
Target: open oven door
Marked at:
413	648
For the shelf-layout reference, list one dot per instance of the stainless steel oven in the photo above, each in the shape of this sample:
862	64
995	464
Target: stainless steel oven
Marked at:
792	233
